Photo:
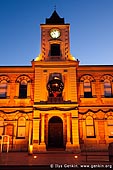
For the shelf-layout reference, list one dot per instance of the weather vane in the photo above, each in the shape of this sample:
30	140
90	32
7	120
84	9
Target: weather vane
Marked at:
55	7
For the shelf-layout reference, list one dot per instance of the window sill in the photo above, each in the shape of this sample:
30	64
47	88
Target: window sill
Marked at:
93	97
8	97
110	97
90	136
28	97
20	137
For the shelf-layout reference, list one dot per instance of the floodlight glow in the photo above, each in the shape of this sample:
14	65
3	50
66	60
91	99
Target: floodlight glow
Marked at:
76	156
35	156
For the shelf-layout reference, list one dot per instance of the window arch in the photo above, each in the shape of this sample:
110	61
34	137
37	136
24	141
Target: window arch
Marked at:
21	127
90	129
107	88
1	126
3	89
110	126
23	89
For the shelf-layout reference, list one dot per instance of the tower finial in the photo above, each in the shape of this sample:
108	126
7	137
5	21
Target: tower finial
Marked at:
54	7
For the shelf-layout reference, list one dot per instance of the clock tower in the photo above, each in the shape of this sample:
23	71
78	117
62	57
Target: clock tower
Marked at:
55	123
55	43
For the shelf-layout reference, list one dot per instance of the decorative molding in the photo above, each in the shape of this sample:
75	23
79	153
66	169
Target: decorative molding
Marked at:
87	77
23	77
106	76
56	108
4	77
90	110
20	111
63	102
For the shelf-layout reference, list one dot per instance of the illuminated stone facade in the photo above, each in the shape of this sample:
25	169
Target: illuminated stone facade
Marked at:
55	102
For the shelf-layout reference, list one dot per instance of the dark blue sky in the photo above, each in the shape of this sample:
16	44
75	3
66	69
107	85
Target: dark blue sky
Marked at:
91	29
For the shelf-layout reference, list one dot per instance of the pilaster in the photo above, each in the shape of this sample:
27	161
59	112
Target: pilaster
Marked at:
75	131
112	88
102	88
37	89
72	84
36	126
68	143
28	89
93	89
17	90
8	89
81	89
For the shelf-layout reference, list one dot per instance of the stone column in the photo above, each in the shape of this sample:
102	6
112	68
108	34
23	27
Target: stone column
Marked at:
42	128
30	132
30	145
68	143
68	129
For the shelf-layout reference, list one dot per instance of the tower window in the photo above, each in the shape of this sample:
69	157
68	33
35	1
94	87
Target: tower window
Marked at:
55	49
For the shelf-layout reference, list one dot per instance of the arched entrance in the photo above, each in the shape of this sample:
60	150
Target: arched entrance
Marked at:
55	132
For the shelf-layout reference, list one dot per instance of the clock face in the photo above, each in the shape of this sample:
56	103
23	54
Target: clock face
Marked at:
55	33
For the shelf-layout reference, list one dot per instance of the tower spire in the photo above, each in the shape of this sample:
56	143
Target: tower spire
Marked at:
55	18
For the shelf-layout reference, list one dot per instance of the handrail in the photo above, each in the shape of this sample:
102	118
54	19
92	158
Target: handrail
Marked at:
5	142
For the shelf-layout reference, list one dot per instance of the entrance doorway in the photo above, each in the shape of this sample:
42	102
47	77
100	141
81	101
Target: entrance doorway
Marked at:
55	132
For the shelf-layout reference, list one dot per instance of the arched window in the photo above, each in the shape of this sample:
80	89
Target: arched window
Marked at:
107	88
87	89
3	89
110	126
90	130
23	89
1	126
21	127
